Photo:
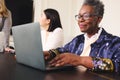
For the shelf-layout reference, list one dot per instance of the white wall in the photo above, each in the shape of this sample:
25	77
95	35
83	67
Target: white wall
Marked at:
69	8
111	20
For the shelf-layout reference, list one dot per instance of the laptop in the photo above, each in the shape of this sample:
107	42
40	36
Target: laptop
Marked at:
28	46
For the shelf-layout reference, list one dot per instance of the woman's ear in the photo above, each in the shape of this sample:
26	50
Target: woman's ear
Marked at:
48	21
99	19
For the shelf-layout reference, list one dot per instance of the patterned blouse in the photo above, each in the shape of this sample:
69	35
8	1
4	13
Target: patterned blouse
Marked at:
105	51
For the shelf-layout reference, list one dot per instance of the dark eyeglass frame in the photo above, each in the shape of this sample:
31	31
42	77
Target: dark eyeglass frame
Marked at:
85	16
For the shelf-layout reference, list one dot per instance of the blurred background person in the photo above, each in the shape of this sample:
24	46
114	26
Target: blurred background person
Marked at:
5	26
52	32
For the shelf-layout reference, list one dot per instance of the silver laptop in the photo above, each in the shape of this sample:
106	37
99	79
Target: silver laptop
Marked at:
28	46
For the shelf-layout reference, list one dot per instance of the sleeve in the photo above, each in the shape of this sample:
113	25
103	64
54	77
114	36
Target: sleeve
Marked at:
69	47
112	63
102	64
6	29
60	50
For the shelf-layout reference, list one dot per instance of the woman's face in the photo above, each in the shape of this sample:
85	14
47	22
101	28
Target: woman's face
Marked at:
44	22
88	25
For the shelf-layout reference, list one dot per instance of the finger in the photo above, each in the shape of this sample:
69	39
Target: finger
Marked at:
59	61
60	64
57	64
46	53
46	57
55	59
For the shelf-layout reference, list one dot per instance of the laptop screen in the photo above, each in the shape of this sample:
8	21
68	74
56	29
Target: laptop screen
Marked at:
28	45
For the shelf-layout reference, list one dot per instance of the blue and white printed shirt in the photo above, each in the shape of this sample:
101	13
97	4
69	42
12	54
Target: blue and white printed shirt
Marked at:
105	51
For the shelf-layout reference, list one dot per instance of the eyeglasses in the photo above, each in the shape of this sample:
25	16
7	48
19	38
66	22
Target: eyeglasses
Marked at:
85	16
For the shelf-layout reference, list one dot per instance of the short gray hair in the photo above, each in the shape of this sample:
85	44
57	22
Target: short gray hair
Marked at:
97	5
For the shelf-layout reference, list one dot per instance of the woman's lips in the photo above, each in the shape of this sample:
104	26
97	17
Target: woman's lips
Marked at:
82	25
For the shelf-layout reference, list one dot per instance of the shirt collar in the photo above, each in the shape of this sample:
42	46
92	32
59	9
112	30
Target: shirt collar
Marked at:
96	35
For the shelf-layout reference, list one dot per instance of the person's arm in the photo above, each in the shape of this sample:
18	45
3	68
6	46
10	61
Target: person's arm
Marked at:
110	59
92	63
112	63
73	59
60	50
6	29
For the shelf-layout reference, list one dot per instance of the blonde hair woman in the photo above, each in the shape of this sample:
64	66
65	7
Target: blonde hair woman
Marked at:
5	26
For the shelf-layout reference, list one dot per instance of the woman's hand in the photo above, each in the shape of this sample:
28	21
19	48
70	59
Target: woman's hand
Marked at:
72	59
65	58
9	50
